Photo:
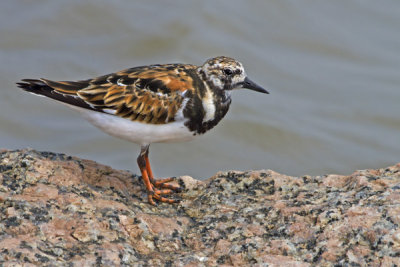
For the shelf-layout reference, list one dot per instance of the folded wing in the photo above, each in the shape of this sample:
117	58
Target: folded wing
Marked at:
151	94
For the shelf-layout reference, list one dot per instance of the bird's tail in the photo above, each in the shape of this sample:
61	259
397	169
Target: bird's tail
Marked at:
60	91
35	86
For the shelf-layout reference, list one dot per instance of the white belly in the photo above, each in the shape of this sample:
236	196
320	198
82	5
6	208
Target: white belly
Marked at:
137	132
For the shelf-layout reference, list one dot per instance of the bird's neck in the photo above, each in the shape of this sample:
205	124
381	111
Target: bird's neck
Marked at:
212	105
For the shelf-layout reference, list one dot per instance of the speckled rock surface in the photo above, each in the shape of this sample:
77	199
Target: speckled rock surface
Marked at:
57	210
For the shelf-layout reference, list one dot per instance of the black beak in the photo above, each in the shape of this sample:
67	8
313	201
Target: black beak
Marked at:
253	86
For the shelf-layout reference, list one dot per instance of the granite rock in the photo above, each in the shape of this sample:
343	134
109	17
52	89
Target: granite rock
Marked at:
58	210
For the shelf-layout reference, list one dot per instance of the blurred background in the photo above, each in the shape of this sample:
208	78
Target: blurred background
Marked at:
332	69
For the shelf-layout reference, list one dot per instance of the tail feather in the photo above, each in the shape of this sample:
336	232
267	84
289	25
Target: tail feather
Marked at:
40	87
66	87
32	85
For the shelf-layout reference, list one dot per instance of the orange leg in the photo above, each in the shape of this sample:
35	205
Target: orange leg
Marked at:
151	184
158	183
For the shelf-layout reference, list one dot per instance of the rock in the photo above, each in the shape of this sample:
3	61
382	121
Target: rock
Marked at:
58	210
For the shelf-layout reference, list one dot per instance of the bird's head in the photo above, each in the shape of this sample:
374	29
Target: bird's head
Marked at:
227	73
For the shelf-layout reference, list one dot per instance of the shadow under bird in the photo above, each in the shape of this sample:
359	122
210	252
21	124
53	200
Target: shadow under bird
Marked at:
150	104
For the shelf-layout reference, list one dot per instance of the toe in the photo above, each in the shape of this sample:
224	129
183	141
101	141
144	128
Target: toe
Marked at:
164	199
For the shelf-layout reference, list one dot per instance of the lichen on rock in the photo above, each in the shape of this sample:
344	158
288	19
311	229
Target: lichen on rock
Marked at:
58	210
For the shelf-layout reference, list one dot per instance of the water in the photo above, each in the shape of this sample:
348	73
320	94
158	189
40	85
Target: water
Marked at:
332	68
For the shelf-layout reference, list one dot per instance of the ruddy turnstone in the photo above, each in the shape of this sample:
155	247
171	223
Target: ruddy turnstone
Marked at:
150	104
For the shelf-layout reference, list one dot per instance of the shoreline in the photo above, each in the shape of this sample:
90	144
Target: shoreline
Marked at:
58	210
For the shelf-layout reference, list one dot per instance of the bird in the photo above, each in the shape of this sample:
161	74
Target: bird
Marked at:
153	104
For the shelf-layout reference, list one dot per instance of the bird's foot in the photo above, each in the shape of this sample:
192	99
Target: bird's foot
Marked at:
163	183
160	188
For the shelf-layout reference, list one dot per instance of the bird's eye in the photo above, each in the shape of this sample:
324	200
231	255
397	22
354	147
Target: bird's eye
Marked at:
228	71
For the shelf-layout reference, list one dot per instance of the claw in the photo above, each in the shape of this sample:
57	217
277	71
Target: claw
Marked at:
150	199
163	199
157	195
163	184
154	193
163	191
155	188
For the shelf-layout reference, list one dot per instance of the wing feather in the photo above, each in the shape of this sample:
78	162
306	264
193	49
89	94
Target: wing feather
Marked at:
150	94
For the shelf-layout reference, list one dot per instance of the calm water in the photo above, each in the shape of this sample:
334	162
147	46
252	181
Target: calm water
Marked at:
332	68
